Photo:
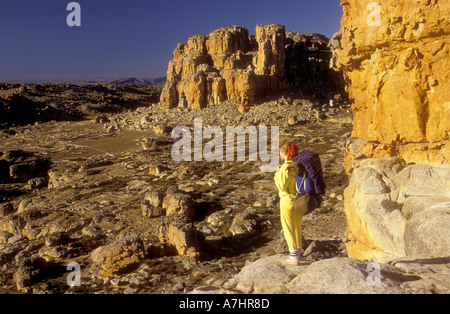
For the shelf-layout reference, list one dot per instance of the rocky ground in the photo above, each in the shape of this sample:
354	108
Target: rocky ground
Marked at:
100	190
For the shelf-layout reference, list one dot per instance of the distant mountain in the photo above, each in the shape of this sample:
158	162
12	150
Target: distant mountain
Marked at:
143	81
94	80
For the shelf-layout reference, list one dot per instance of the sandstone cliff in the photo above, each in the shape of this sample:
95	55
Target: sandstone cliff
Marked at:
397	74
395	56
230	64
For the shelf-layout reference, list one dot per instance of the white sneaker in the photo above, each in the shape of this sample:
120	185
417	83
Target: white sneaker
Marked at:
291	260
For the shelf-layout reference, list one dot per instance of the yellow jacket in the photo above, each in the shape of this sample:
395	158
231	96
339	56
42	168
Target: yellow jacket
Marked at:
285	182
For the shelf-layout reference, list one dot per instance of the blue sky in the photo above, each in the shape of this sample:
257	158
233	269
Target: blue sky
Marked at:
133	37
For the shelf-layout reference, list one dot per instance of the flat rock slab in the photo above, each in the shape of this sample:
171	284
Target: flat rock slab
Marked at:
407	275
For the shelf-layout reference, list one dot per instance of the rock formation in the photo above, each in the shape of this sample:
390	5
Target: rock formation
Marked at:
229	64
395	57
398	76
119	256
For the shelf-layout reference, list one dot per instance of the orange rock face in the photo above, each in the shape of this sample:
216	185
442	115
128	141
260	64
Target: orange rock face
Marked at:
208	69
396	60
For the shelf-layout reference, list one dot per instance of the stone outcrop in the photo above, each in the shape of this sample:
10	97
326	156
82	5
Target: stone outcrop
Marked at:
21	166
152	201
230	64
179	203
177	228
30	271
397	72
180	232
395	57
119	256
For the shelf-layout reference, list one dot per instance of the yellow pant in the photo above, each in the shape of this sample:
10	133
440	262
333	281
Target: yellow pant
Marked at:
291	223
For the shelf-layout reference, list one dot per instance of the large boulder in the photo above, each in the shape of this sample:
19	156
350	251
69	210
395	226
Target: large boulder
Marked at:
180	232
180	204
394	209
244	223
120	256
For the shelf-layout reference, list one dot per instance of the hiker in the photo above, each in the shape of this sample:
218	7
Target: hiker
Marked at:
286	184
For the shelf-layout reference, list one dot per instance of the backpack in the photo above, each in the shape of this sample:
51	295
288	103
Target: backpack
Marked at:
313	165
303	182
304	202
